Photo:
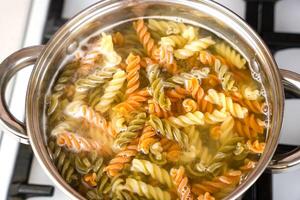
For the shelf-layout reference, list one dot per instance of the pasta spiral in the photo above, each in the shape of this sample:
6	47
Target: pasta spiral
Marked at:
157	89
155	171
132	69
147	139
256	146
155	109
229	179
133	102
165	56
78	109
220	68
120	160
165	27
63	161
215	117
111	91
146	190
132	131
78	143
176	94
226	102
176	41
181	181
197	92
227	52
95	79
145	37
165	128
189	119
195	46
190	105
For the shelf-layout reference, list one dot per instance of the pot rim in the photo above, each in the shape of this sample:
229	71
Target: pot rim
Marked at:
34	130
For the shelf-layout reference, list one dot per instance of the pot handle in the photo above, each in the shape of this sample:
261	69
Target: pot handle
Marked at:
282	162
8	68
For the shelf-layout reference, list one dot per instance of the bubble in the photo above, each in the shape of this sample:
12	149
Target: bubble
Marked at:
72	47
262	92
265	108
254	66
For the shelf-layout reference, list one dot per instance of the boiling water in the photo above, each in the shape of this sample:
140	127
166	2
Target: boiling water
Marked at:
156	110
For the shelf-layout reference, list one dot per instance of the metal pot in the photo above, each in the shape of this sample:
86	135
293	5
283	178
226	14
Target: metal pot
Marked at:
204	13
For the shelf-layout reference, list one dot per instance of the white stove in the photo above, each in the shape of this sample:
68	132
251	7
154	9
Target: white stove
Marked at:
287	17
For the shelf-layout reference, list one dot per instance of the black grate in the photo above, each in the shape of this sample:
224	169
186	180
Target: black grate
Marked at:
259	14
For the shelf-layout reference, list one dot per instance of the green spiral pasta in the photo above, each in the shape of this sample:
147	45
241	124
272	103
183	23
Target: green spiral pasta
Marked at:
153	72
165	128
157	88
95	79
146	190
155	171
132	132
111	91
195	46
230	54
189	119
64	163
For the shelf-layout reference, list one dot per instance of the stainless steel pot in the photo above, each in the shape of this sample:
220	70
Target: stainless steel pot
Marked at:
108	13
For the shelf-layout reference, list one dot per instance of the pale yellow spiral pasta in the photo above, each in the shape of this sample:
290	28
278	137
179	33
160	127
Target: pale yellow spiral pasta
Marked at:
216	116
145	190
176	41
155	171
230	54
78	109
189	119
111	91
226	102
165	27
195	46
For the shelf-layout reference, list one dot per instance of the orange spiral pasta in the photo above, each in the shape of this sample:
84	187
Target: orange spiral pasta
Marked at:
189	105
255	123
256	146
122	158
133	102
244	131
249	165
209	59
198	94
205	196
118	39
180	180
77	143
178	93
230	178
148	138
171	148
253	105
132	69
156	110
90	179
145	37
